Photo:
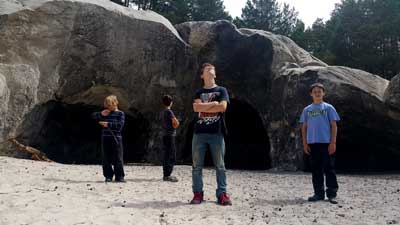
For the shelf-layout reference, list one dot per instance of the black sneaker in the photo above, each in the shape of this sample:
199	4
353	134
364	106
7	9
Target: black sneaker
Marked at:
120	180
108	180
170	179
332	200
315	198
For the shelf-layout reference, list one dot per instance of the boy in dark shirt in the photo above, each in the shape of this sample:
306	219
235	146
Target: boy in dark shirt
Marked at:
169	125
112	120
210	102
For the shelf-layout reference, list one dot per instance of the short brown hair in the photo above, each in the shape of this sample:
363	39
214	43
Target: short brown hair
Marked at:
167	99
111	100
204	66
317	85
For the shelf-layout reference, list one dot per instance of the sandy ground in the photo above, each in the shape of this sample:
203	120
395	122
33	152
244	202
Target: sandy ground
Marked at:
49	193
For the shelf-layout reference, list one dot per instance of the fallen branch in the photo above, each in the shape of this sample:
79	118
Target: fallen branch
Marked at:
36	154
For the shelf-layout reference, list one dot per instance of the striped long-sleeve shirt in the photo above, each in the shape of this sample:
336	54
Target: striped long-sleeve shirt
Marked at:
115	120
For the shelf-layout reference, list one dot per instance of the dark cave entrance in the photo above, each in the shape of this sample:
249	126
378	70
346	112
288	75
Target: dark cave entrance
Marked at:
367	146
70	135
247	142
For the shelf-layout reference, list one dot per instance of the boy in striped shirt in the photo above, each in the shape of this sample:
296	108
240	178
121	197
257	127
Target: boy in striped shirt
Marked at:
112	120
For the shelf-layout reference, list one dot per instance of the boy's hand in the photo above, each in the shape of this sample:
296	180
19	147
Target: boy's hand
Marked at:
104	124
105	112
214	103
307	149
175	122
332	148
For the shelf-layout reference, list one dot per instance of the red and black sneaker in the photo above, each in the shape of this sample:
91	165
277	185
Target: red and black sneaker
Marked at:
197	198
223	199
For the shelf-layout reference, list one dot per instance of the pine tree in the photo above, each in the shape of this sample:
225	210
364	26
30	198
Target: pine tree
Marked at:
268	15
208	10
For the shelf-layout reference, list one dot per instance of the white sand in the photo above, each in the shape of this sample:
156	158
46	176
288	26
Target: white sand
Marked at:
48	193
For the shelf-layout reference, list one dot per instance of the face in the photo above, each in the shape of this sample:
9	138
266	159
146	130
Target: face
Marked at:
317	94
110	107
208	73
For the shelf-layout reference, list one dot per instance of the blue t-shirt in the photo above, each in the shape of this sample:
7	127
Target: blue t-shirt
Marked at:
318	118
211	122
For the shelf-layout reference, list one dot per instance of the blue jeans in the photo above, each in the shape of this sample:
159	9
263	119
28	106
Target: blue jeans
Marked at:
199	147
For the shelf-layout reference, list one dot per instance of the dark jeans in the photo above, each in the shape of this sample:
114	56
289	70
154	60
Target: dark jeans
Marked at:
112	156
323	164
169	154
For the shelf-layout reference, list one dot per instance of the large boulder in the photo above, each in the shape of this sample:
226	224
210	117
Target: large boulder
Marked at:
270	75
367	136
392	93
59	59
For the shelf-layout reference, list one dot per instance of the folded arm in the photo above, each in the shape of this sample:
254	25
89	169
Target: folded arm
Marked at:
209	107
118	123
97	116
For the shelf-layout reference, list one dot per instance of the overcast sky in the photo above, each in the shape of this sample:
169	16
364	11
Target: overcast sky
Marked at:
309	10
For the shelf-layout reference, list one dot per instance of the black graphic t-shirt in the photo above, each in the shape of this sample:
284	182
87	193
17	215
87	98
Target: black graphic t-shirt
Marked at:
211	122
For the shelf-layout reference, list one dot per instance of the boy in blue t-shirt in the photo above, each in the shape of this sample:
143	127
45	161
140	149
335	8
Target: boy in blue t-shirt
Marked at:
319	130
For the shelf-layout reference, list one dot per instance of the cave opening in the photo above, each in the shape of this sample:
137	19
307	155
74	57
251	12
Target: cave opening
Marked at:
367	146
70	135
247	142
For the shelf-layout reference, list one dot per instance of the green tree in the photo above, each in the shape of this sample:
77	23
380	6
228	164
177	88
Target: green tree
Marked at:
177	11
363	37
298	34
208	10
316	40
287	20
359	35
268	15
149	4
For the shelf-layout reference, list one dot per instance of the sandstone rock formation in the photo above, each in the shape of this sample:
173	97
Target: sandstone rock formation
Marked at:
272	74
392	93
59	59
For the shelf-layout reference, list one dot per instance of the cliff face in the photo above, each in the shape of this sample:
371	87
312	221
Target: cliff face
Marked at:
59	59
